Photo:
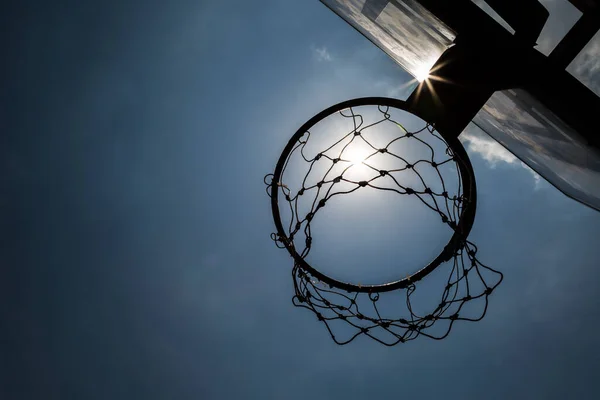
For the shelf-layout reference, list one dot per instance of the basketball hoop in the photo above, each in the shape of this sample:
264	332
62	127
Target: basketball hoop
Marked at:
352	305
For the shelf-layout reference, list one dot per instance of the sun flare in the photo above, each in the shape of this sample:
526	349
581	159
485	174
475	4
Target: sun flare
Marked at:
422	73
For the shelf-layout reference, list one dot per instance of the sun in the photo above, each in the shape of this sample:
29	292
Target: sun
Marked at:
422	73
356	155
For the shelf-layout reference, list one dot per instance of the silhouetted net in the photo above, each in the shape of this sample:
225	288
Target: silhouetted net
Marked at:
386	313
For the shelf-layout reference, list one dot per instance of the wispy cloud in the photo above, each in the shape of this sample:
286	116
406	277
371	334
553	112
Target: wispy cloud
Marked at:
321	53
492	152
487	148
537	179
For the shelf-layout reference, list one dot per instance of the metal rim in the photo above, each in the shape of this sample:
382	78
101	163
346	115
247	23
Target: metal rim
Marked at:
461	232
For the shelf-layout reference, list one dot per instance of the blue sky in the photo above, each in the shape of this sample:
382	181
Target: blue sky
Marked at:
136	259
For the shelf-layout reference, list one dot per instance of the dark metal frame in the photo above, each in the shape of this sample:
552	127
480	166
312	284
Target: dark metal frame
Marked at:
486	58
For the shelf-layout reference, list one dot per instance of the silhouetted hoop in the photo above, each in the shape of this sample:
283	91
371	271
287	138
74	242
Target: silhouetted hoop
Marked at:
461	228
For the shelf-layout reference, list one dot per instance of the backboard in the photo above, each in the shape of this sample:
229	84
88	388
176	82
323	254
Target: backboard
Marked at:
489	63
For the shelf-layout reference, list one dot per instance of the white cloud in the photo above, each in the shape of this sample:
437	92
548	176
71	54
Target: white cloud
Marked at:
321	54
537	179
487	148
493	152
